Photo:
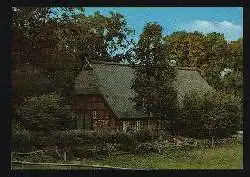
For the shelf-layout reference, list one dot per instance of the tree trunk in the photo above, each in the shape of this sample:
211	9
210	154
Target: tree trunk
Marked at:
212	144
59	155
65	156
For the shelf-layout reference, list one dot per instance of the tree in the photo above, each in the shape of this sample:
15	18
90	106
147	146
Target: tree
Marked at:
211	53
26	24
210	115
233	82
186	48
154	76
45	113
58	45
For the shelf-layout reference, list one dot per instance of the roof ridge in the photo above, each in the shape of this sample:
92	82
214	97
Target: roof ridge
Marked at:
109	63
130	65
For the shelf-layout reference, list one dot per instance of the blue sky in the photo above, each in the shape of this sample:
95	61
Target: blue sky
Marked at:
226	20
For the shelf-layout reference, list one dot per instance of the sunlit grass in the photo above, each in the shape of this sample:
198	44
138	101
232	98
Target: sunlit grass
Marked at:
228	157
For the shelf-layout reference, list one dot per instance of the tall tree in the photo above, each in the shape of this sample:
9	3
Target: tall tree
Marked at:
58	43
154	75
209	53
233	81
186	48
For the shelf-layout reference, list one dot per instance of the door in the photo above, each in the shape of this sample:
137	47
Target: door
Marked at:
88	121
84	121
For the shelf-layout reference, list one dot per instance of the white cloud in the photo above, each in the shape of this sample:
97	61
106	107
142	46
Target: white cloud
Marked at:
230	30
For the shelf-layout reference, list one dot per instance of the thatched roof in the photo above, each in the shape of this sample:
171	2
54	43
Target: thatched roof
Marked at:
114	82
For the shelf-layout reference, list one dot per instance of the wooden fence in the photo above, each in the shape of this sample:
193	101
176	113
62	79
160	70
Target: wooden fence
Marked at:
23	164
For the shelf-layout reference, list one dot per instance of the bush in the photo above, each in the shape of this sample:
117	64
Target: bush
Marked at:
126	141
34	158
21	141
147	148
144	148
83	143
16	125
210	115
144	136
45	113
104	141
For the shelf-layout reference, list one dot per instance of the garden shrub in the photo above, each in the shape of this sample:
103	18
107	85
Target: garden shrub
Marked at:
17	125
35	157
144	148
210	115
45	113
78	138
89	151
21	141
147	148
84	151
66	139
144	135
126	141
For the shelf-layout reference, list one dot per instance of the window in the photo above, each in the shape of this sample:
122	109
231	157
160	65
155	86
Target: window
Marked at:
106	115
79	123
138	125
125	125
94	114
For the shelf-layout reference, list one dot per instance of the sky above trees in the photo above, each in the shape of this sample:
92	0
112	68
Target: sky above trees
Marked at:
226	20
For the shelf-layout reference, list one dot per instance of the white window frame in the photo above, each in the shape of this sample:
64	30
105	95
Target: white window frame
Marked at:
125	125
138	125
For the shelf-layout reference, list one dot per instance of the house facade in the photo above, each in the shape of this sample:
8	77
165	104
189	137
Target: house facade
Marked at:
104	97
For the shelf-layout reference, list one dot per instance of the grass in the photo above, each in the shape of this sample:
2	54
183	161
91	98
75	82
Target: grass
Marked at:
229	157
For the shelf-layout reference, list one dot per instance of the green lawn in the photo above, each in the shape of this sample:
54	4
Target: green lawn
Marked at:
230	157
218	158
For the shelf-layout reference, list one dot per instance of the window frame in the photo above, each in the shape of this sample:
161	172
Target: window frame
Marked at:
125	125
138	125
94	113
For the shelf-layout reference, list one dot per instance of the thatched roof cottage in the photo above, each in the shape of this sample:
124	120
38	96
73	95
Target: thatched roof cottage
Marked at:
104	95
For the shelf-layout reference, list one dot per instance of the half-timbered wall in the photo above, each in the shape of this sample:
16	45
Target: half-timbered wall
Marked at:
94	110
94	113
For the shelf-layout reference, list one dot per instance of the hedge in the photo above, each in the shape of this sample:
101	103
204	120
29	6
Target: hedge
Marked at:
210	115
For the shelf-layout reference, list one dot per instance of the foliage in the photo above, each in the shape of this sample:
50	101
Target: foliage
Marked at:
211	53
91	144
102	141
58	41
28	82
154	76
145	148
186	48
144	135
21	140
45	113
228	157
208	115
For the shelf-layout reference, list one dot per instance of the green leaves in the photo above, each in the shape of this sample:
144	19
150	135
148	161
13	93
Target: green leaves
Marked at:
45	113
210	53
154	75
58	41
213	114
